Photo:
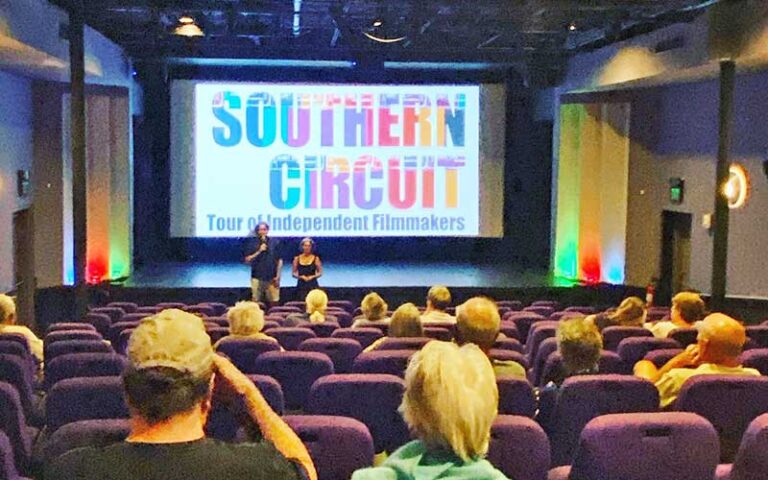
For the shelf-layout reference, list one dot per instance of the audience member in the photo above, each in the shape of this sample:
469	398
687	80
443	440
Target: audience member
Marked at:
630	313
438	300
8	325
478	322
374	311
405	322
579	343
687	309
316	305
168	386
449	404
716	352
246	320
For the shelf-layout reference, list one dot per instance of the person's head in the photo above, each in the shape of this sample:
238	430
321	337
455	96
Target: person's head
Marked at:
687	307
720	339
373	306
631	313
262	229
451	398
7	310
307	245
170	368
478	322
438	298
406	322
579	342
245	318
317	302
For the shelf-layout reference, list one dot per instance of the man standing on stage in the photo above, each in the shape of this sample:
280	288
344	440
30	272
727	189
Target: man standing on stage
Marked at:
266	265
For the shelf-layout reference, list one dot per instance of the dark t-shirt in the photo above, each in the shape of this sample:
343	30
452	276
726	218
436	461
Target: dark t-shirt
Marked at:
264	266
203	459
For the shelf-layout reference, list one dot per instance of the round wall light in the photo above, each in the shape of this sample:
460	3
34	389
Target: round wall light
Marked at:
736	189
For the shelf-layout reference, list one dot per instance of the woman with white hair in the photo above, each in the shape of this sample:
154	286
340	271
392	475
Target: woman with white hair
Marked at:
450	402
316	305
8	325
246	320
374	310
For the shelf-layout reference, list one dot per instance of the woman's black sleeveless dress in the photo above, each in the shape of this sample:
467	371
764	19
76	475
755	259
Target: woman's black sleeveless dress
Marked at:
303	287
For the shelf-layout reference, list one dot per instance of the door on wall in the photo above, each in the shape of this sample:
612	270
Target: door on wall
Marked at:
675	254
24	266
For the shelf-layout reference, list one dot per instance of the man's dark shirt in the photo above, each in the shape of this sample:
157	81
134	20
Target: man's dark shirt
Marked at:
198	460
264	266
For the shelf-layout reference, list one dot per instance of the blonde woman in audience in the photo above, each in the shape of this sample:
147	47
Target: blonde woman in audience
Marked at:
687	309
405	322
8	325
374	311
450	402
246	320
630	313
316	304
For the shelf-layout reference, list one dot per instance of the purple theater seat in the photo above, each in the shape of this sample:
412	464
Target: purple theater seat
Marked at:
757	359
393	362
16	338
751	461
116	329
523	321
203	311
15	371
563	315
509	330
633	349
135	317
216	332
516	396
300	304
71	335
270	324
519	448
121	345
168	305
546	348
365	336
151	310
281	310
14	348
345	304
341	351
68	326
758	334
75	346
583	398
403	343
437	333
684	336
508	356
115	313
290	338
295	371
583	309
244	351
127	307
612	336
644	446
508	344
609	363
344	319
542	310
219	308
323	330
371	399
222	421
657	313
662	356
338	445
86	433
83	365
729	402
222	321
76	399
8	470
100	321
545	303
512	305
537	334
14	424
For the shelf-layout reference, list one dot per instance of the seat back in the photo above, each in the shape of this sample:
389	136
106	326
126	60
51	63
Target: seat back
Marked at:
100	321
73	365
14	424
633	349
338	445
645	446
516	396
729	402
341	351
324	329
64	347
290	338
583	398
115	313
546	348
15	371
662	356
437	333
127	307
71	335
508	344
8	468
519	448
612	336
509	330
751	461
222	420
244	351
295	372
543	310
758	334
684	336
68	326
508	356
75	399
365	336
168	305
608	363
523	321
403	343
583	309
218	308
539	332
371	399
200	310
85	433
392	362
757	359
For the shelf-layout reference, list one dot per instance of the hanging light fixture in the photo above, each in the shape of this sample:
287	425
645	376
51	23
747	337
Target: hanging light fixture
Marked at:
187	27
381	31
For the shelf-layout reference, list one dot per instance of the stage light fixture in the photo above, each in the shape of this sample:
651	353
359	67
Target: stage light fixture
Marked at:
188	28
736	188
377	23
572	27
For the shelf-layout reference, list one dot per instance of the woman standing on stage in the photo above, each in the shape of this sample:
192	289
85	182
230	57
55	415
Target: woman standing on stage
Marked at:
307	268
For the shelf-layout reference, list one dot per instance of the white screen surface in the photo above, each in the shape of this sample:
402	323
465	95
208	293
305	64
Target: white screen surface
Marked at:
336	160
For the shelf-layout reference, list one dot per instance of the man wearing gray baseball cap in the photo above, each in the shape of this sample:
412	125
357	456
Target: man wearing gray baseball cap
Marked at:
169	385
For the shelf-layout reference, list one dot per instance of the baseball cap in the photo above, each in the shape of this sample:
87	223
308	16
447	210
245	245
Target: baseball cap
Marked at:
173	339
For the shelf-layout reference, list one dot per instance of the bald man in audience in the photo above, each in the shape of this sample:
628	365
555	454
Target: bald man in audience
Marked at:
719	344
478	322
